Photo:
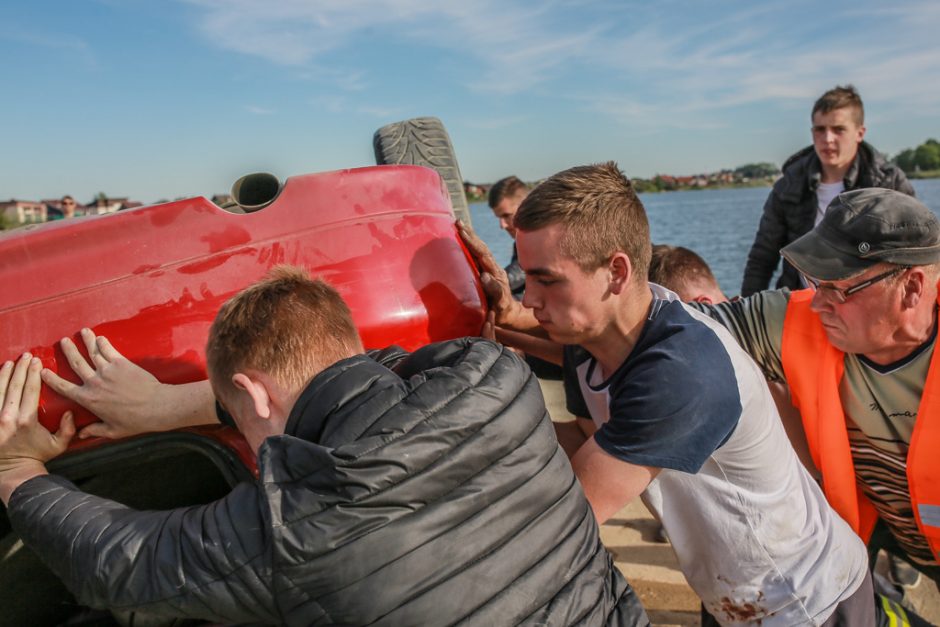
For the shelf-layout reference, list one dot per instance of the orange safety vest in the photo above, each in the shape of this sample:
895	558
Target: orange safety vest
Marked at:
813	369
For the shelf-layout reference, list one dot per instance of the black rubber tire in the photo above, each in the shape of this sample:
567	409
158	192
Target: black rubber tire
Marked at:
423	141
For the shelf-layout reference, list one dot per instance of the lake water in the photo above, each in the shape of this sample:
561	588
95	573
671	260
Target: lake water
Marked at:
717	224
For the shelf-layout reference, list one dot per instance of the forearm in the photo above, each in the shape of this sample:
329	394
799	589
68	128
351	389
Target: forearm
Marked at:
573	434
203	562
542	348
608	483
128	399
185	405
520	319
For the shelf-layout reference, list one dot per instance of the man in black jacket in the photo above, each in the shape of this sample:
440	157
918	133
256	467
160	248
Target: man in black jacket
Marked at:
837	161
504	199
431	494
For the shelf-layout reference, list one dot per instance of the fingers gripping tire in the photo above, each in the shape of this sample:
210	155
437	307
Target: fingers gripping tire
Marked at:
423	141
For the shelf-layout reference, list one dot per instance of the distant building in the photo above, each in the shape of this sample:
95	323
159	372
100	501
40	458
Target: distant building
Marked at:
23	211
104	204
725	176
472	190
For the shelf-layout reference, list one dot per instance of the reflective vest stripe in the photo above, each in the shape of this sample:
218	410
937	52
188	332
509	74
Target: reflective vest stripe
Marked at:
930	514
896	615
923	466
813	369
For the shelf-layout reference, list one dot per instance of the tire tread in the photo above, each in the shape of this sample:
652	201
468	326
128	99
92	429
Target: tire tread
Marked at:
423	141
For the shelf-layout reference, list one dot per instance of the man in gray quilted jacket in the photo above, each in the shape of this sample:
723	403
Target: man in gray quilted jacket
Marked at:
430	494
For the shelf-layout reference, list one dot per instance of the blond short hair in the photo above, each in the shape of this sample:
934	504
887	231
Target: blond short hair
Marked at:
600	211
286	325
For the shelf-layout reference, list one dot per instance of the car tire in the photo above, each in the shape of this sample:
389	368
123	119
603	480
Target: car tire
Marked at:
423	141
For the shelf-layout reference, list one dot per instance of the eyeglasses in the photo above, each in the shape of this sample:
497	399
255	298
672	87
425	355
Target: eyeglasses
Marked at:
841	294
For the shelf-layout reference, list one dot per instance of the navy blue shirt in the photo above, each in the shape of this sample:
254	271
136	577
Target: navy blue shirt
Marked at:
673	402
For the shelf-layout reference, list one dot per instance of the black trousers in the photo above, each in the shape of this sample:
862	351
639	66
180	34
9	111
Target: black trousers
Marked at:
883	539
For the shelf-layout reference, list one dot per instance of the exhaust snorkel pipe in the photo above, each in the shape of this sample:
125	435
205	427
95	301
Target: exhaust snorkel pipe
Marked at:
255	191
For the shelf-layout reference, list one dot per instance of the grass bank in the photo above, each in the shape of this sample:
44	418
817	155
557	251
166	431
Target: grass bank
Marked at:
924	174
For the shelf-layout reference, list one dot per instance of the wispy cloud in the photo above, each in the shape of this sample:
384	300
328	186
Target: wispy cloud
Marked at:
743	59
65	42
516	47
380	112
677	62
256	110
343	79
330	103
495	123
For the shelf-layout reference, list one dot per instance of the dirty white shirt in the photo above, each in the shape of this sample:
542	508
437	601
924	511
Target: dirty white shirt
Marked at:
752	531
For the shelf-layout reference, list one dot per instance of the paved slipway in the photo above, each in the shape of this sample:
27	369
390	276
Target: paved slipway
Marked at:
651	566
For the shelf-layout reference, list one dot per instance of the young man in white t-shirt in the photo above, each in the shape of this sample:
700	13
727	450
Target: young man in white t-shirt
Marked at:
677	412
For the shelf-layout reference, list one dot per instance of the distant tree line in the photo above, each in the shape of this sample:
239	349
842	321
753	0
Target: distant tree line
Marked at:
757	171
924	158
748	175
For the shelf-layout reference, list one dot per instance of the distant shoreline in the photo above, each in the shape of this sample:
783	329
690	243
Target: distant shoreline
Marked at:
705	188
926	174
644	189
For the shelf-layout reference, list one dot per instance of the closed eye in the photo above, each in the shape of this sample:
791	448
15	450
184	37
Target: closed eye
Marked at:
544	279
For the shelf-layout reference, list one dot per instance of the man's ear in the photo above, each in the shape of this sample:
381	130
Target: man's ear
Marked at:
256	389
914	285
861	133
621	272
703	298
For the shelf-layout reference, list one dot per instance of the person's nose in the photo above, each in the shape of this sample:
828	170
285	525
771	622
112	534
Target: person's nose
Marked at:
821	302
530	298
504	224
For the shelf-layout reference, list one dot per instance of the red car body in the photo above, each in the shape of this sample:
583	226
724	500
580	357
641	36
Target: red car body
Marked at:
152	279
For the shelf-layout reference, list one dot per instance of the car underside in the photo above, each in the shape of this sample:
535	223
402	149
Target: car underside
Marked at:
151	280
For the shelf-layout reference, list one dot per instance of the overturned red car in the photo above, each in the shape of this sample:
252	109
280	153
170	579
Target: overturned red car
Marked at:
151	279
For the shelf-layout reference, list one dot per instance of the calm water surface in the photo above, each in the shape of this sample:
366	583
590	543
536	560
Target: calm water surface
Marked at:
717	224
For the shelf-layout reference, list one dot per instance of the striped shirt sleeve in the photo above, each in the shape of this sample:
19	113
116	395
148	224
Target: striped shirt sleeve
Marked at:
756	323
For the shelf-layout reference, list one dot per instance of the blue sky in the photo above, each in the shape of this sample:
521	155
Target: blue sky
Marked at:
173	98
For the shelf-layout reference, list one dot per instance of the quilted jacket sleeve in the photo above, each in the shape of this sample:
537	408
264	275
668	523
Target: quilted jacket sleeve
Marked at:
764	256
210	562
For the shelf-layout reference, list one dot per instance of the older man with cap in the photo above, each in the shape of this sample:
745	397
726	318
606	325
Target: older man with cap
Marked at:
857	349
